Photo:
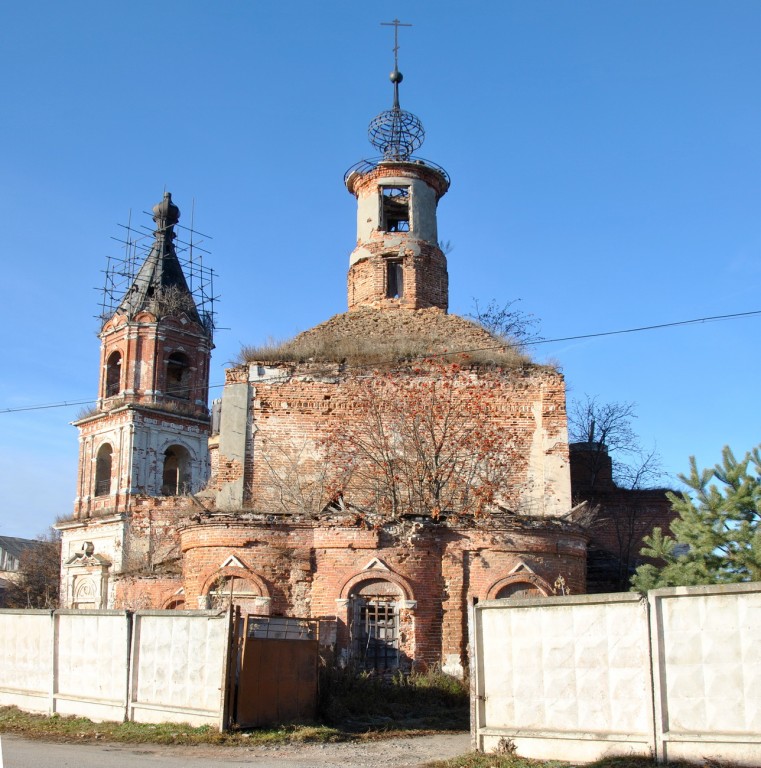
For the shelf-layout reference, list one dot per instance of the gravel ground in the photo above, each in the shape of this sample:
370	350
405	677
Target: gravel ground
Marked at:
399	753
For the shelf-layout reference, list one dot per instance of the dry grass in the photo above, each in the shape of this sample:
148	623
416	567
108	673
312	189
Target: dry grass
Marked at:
374	338
80	729
362	352
86	412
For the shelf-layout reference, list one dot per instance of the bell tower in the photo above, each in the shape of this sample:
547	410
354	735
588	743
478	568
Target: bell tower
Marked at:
148	434
397	261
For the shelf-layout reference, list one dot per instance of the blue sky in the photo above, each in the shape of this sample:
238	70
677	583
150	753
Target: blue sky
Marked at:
605	164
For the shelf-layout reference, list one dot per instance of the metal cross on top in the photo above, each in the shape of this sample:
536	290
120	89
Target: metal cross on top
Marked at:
395	24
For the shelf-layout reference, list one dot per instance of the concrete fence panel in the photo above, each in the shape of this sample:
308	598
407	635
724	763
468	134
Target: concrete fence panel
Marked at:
26	659
151	666
91	663
677	675
707	653
179	667
564	676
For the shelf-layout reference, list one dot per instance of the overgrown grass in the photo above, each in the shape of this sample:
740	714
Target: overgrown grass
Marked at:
68	729
358	701
352	351
359	351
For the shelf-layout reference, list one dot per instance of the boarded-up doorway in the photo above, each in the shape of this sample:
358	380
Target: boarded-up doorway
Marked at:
275	678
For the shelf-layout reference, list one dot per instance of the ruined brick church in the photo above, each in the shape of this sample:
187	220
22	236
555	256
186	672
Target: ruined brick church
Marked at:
380	472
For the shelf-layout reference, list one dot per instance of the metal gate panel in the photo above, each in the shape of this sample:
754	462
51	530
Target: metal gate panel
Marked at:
276	681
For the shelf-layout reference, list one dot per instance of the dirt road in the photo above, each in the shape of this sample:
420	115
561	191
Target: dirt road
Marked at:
390	753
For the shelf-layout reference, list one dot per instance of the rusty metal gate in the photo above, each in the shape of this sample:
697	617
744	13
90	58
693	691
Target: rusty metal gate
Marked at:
274	673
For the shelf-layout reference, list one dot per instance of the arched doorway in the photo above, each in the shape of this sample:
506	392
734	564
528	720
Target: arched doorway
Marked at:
176	478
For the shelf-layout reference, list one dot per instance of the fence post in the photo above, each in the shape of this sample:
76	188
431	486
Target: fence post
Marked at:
476	683
229	669
129	616
132	661
53	662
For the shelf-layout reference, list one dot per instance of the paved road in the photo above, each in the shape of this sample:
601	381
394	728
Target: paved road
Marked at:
390	753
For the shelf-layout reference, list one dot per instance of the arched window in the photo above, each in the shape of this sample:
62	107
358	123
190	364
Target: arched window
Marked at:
178	376
175	478
236	589
519	589
113	374
375	624
103	470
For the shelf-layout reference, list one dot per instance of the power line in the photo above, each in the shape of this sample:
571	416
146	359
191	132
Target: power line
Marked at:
600	334
652	327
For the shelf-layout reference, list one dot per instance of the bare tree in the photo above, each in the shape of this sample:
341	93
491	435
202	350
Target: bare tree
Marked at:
38	585
507	322
606	430
613	473
419	443
297	474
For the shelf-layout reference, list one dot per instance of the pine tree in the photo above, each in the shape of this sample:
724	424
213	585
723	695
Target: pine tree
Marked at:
717	537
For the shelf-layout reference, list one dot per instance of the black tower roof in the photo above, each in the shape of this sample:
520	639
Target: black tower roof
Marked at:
160	285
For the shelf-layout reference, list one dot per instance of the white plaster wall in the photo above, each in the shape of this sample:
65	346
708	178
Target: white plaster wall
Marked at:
26	650
548	486
91	664
233	434
423	204
178	663
150	441
107	536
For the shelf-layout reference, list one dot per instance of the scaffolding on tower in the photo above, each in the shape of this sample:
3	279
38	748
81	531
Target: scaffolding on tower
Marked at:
136	244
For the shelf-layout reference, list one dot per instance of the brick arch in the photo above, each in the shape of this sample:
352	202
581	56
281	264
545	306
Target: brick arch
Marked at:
380	574
241	573
524	577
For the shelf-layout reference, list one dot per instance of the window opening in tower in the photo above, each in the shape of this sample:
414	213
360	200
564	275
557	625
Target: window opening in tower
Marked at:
395	213
177	376
113	374
103	470
394	279
175	478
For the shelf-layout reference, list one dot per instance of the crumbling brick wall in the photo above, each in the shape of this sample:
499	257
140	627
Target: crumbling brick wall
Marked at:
312	568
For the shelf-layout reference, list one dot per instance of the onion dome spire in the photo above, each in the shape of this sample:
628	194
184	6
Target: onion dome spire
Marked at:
160	285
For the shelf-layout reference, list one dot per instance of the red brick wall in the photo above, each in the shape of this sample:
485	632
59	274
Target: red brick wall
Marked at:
426	281
306	567
292	413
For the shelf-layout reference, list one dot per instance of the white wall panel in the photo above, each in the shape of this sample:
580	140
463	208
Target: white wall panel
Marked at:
91	663
178	666
26	659
577	668
707	648
579	678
